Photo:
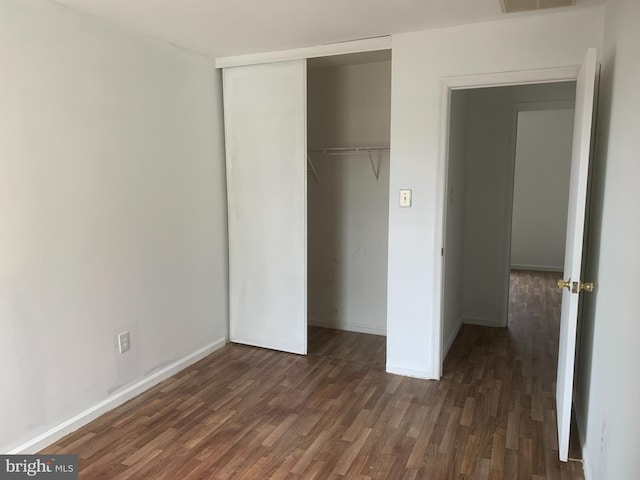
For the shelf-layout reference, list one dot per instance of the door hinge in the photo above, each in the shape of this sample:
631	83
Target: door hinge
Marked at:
442	252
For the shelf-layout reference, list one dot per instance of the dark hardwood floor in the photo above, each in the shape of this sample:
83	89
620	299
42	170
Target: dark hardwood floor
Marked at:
250	413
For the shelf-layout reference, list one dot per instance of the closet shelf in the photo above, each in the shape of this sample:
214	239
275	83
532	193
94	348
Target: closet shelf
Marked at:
346	151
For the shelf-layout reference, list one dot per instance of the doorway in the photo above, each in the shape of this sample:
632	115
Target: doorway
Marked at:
541	185
585	76
486	187
542	162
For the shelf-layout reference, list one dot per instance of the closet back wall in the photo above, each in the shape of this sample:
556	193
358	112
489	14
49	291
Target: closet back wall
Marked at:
348	209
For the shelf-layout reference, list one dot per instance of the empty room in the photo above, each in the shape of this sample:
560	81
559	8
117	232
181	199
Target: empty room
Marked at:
319	240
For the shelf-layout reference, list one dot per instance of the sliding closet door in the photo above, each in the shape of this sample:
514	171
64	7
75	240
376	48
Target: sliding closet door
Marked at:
265	133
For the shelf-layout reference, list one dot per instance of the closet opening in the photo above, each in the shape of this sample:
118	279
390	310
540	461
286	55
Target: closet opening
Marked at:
348	142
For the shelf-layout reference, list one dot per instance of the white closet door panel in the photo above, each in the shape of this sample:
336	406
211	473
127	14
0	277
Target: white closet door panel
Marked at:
265	132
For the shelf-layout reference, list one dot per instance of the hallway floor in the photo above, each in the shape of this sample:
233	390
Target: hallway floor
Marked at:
508	377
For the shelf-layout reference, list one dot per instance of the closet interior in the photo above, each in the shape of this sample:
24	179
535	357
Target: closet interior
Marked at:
348	141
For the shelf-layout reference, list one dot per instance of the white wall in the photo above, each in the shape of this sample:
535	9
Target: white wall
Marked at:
112	212
489	176
420	60
541	193
348	208
454	233
608	383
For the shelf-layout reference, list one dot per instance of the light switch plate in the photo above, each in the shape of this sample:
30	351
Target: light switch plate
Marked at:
124	342
405	198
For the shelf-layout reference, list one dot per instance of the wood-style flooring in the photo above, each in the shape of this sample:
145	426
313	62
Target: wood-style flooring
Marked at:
250	413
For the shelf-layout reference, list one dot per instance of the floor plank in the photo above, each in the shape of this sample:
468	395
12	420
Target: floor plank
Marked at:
251	413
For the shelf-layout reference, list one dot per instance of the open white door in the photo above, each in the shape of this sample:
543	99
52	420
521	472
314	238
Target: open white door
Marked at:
585	92
265	135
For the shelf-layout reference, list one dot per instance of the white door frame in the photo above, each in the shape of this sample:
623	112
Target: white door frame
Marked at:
448	84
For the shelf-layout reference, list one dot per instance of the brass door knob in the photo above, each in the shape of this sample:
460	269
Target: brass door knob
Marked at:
587	287
562	284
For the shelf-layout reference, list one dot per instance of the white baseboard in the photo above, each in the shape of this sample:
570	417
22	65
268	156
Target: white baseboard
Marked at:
452	338
351	327
537	268
484	322
410	372
112	401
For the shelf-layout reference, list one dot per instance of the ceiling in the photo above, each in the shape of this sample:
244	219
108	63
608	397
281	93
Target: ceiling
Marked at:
231	27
